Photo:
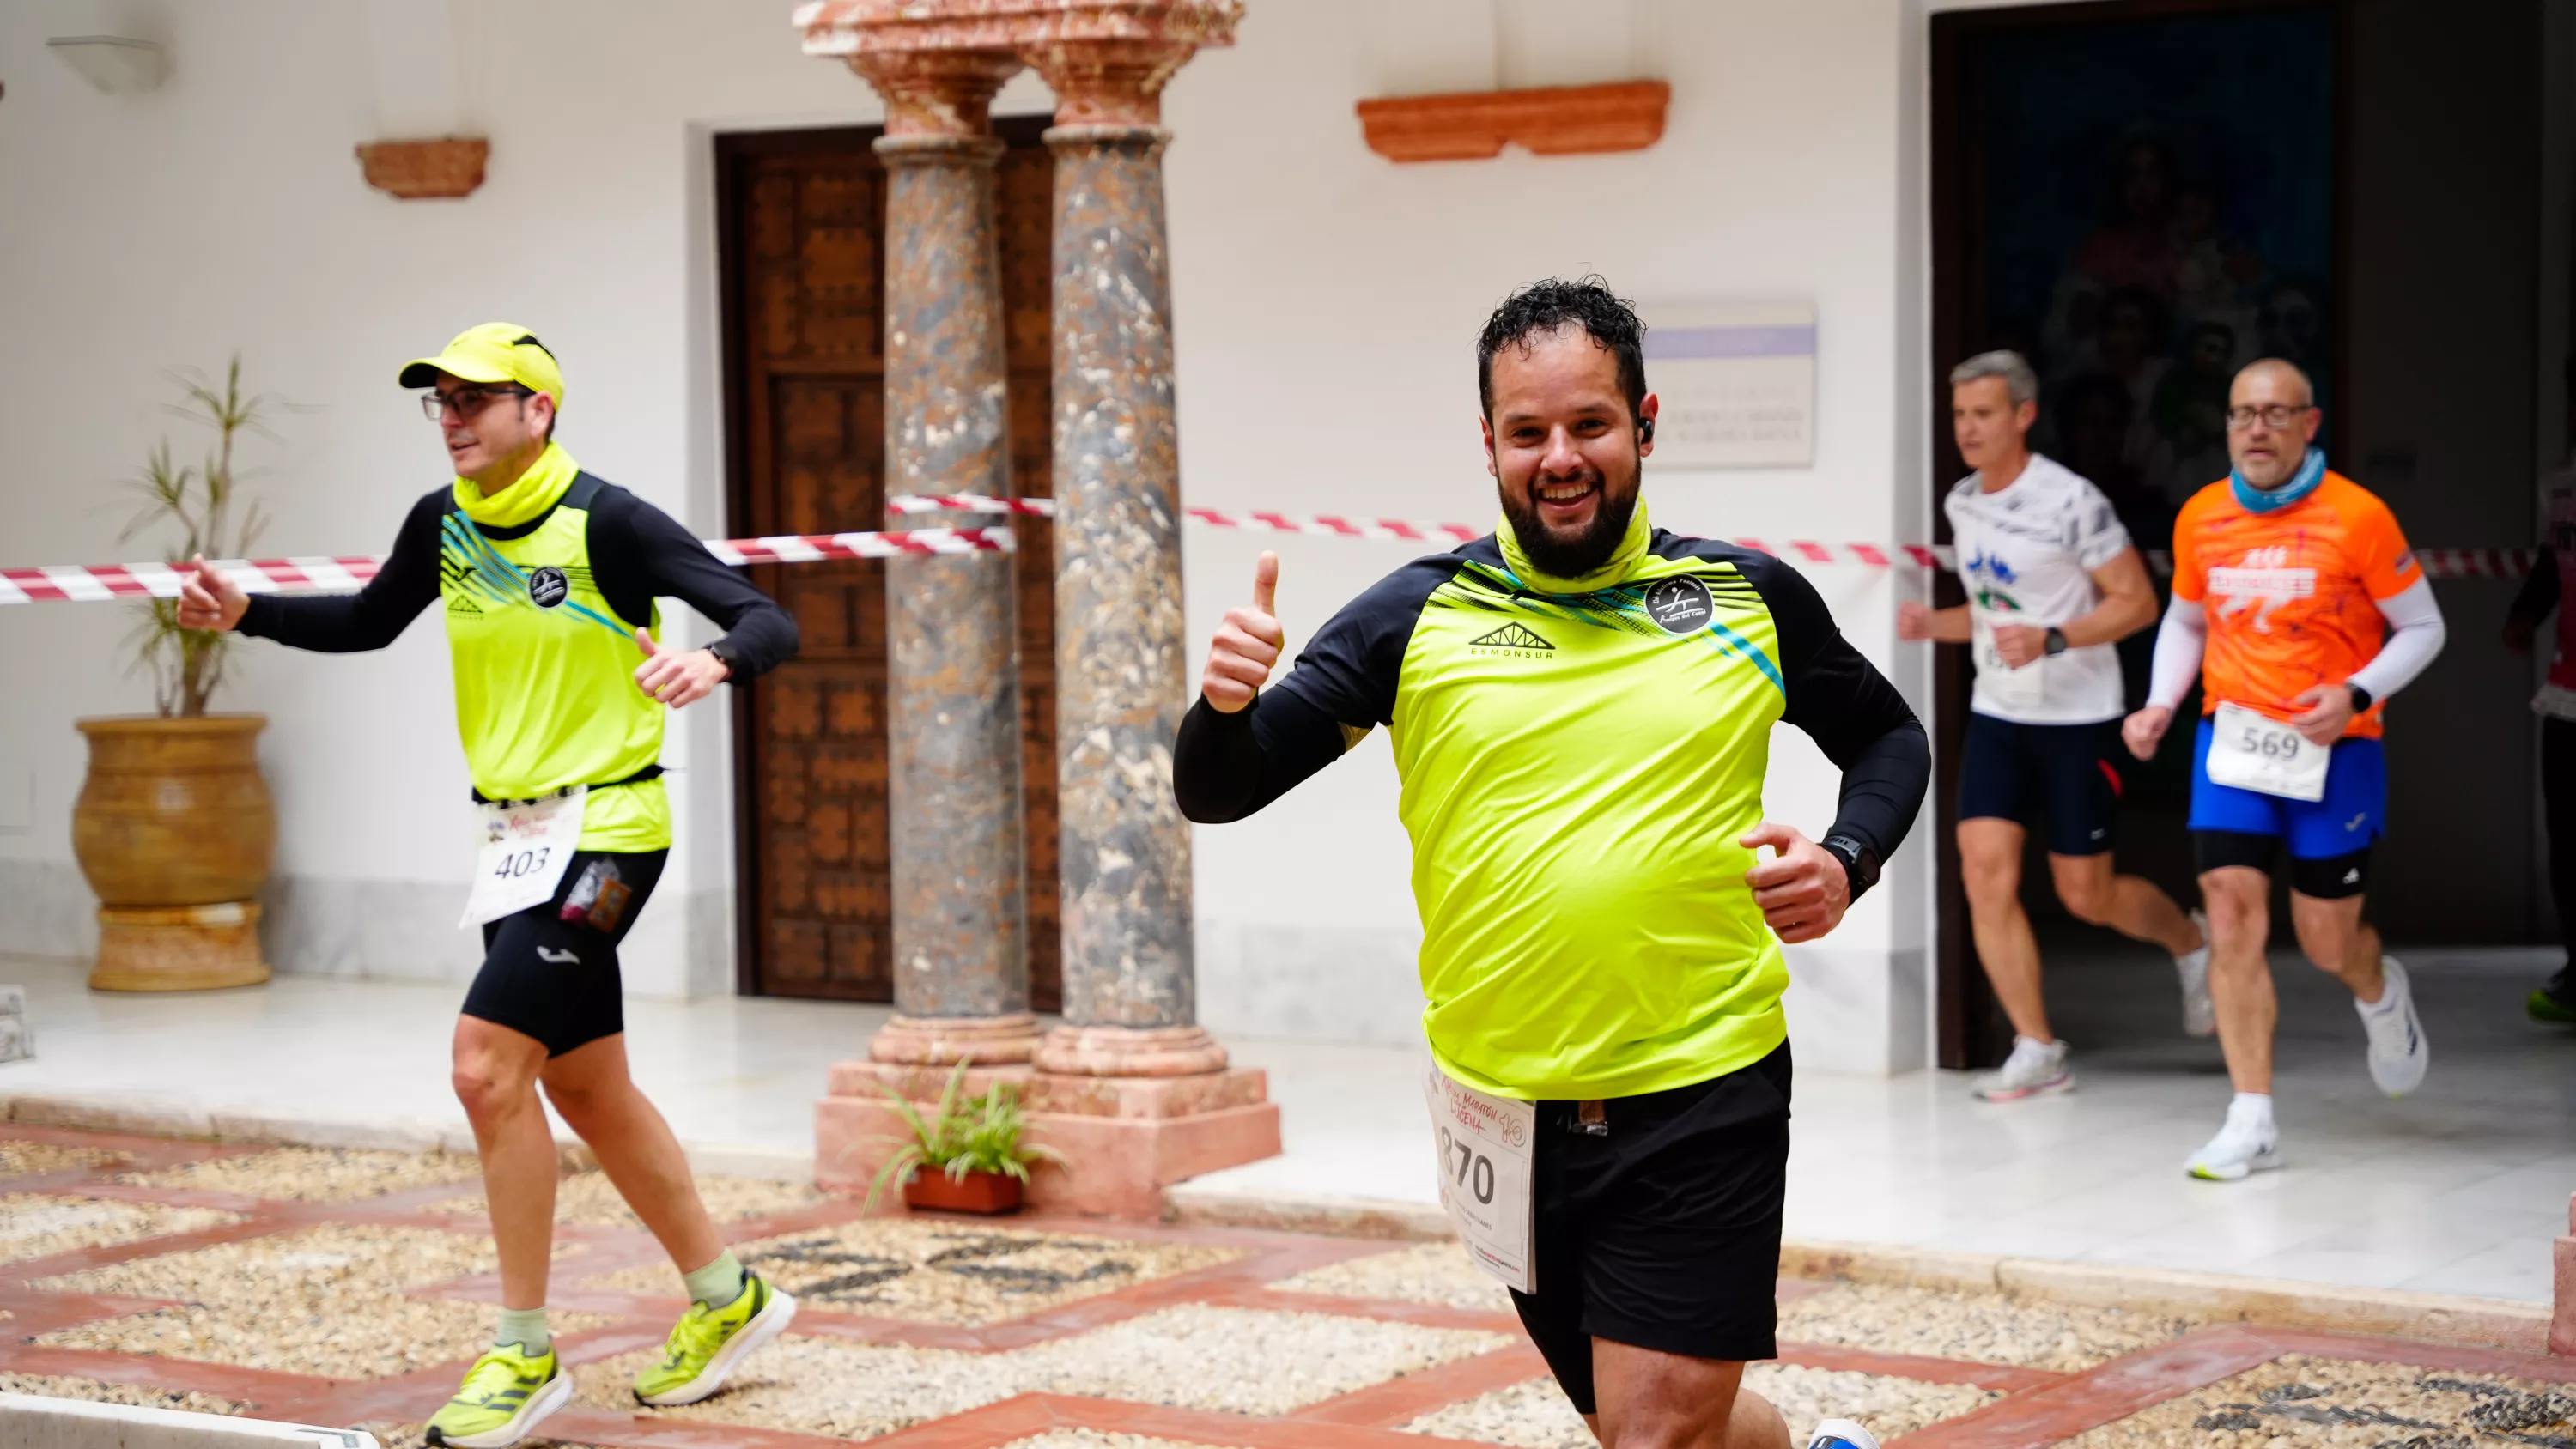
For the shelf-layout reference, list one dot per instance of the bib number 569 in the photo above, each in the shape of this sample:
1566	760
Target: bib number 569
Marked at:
1475	1171
2271	745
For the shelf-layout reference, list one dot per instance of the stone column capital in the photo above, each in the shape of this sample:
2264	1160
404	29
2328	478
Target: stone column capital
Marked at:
934	92
1106	59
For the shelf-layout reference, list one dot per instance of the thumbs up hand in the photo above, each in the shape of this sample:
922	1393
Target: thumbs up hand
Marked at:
207	599
676	677
1247	645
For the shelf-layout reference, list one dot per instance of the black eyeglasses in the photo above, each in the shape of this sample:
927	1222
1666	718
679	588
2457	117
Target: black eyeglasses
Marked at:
467	400
2275	417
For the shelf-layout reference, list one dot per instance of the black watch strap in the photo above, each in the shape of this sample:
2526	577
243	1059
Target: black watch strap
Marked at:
2361	698
1860	863
724	652
2054	641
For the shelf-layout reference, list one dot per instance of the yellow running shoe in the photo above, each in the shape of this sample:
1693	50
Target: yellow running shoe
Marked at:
504	1397
707	1343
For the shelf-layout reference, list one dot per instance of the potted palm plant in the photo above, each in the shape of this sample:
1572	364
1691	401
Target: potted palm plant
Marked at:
173	827
972	1146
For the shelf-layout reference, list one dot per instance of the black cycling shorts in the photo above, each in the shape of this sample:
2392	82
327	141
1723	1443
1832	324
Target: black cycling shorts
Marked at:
556	979
1665	1231
2324	878
2060	779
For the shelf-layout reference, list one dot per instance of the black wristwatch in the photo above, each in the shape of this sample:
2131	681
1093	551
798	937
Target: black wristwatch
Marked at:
2361	700
2054	642
730	660
1860	863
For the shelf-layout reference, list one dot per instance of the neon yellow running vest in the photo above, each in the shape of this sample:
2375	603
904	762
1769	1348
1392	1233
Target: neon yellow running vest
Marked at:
545	670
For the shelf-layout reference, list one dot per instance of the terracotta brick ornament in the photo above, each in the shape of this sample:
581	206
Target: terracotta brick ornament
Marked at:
1554	121
447	167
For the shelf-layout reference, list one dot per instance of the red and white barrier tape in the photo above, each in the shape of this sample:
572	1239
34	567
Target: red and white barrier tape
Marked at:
339	575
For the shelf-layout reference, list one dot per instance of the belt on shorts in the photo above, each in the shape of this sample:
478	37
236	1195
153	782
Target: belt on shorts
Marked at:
649	772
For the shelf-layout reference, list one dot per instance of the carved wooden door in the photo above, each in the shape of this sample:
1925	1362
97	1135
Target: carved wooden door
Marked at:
802	229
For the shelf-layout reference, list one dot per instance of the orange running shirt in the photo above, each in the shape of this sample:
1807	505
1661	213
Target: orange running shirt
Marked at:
2290	592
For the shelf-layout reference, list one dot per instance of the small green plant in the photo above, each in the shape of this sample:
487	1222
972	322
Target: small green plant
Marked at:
961	1135
188	664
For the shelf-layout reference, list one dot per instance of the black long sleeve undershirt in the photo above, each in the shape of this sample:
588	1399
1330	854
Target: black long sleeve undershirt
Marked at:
1228	766
637	553
2539	593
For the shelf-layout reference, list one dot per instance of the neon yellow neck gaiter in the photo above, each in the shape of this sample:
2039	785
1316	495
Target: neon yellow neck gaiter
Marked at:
1632	547
537	490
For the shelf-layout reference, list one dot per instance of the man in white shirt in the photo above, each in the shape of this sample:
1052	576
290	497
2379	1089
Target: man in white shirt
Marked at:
2053	584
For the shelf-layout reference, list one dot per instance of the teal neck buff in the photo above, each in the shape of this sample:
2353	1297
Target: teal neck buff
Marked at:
2312	471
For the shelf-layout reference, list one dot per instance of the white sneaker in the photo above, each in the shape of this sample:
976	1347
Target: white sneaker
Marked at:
2398	1051
2199	1014
1840	1434
2246	1143
2034	1067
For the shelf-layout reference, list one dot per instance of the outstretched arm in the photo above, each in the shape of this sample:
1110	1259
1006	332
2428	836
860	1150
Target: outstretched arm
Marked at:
371	618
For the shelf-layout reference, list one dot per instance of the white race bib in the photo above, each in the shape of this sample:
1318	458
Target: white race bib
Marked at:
2251	752
2026	687
1484	1143
527	844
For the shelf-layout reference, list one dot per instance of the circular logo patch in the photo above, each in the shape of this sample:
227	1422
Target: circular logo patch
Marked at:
547	587
1680	604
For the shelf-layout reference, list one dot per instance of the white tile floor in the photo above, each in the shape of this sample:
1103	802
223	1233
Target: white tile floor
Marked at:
2458	1189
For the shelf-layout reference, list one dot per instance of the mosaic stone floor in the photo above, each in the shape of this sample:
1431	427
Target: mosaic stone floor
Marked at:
349	1288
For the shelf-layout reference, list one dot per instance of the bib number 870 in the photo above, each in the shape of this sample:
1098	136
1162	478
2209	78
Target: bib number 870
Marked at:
2270	744
522	862
1475	1170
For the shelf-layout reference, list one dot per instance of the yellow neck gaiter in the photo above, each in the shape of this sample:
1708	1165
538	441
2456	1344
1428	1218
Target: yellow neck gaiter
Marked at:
1632	547
537	490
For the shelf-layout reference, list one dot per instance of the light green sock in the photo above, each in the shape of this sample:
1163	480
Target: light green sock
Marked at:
525	1327
719	1282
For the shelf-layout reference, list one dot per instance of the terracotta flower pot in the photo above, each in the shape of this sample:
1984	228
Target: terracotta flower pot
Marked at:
980	1192
174	830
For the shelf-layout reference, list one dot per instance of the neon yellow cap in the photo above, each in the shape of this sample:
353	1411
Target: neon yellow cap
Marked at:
493	352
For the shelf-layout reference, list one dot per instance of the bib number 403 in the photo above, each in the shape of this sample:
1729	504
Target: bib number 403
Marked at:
521	863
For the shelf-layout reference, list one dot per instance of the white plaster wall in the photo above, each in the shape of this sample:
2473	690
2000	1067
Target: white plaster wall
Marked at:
1326	304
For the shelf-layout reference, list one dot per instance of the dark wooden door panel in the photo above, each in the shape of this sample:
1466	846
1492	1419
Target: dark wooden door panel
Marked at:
802	228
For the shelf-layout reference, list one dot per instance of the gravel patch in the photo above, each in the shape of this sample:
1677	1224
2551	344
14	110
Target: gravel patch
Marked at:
315	1174
1979	1327
1241	1360
1424	1273
943	1272
1535	1415
1094	1439
589	1199
26	1159
326	1300
820	1386
2311	1403
99	1392
394	1435
37	1225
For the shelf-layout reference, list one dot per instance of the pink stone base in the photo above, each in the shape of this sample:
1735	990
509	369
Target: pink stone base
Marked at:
2562	1314
1123	1139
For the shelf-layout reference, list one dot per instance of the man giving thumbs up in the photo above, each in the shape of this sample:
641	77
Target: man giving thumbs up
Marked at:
1581	707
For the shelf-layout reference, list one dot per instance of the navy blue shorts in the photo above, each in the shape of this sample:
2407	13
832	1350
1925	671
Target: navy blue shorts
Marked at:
2056	779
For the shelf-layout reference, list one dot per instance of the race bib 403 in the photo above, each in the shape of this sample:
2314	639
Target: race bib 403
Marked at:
526	846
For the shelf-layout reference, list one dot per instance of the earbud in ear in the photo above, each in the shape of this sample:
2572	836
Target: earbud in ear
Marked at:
1645	430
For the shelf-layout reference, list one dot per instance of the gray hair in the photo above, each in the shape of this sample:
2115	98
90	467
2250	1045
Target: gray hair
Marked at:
2020	383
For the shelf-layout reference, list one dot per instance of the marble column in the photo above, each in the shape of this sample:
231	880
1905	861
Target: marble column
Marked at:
961	983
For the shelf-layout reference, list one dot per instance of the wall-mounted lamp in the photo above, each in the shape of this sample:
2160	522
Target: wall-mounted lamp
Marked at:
116	64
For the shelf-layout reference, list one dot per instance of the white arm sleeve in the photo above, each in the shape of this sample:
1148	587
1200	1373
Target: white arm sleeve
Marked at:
2415	635
2179	643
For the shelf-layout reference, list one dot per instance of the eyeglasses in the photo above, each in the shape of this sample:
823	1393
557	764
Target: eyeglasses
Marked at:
2275	417
466	400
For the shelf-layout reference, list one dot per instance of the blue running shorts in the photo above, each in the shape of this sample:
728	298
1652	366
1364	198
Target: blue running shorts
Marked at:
2352	815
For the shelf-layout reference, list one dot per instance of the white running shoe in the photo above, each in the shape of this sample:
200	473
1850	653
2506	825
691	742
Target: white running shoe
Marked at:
2199	1014
2398	1051
1840	1434
2033	1068
2246	1143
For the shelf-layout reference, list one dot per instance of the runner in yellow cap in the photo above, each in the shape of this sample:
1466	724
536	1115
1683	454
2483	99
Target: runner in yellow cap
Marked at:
547	578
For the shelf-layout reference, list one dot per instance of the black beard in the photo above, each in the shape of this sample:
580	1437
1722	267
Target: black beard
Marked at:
1588	551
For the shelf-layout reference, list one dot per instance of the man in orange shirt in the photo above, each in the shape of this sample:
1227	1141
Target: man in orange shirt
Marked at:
2298	603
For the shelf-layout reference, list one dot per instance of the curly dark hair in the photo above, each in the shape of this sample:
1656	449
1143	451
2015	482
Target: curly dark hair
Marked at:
1546	307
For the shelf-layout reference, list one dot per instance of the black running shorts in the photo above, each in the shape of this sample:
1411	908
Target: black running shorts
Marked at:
2062	780
556	979
1662	1231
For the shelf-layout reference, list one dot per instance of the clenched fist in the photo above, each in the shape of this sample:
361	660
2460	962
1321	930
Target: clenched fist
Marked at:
207	599
1246	646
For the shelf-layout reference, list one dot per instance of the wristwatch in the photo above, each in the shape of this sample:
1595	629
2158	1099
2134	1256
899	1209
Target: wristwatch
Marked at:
2054	642
724	655
2361	700
1860	863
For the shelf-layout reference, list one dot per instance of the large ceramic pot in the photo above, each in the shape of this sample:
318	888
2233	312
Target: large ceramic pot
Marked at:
174	830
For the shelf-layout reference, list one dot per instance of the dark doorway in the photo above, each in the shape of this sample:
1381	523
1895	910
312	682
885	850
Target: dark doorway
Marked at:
2143	196
801	232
